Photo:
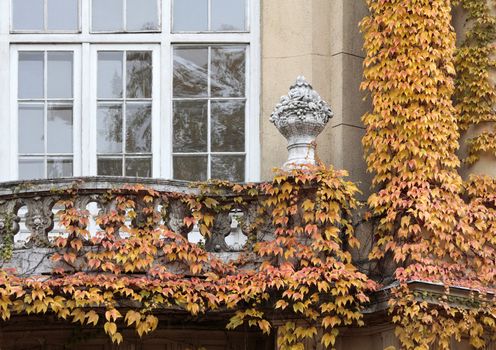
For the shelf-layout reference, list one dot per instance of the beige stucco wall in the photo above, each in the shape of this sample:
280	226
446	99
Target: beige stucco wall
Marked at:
320	40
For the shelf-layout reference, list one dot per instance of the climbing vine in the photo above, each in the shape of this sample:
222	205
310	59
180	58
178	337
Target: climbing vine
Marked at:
435	228
136	265
475	93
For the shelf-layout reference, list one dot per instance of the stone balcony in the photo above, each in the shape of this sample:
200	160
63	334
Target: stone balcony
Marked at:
30	216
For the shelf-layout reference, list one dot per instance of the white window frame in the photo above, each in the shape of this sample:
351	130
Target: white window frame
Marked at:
76	124
45	21
124	21
90	124
248	11
162	42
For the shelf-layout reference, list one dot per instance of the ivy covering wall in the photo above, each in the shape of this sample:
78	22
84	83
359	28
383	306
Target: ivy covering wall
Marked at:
436	228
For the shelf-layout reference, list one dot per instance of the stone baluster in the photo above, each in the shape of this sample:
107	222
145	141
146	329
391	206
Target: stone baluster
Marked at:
176	211
106	208
39	220
256	226
220	230
9	222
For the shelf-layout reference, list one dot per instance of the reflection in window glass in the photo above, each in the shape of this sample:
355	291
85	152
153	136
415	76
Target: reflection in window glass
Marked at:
224	16
190	72
45	119
190	168
110	167
59	168
228	126
124	113
139	127
139	74
139	16
110	65
209	112
228	167
138	167
191	126
59	129
228	71
109	124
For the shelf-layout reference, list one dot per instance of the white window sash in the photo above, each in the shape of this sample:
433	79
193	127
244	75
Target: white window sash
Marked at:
45	29
90	125
14	59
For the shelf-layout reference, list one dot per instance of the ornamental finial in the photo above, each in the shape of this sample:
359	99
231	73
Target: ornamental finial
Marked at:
300	117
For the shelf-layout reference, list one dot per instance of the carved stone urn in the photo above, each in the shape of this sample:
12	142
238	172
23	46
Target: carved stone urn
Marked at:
300	117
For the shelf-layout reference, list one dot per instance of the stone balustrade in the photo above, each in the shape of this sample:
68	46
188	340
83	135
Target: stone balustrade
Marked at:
29	220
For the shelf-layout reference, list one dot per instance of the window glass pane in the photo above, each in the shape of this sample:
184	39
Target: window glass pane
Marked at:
28	14
190	15
59	168
63	15
228	15
228	126
228	167
139	74
139	167
190	72
110	167
59	129
31	129
31	169
228	72
107	15
139	128
31	68
110	74
109	129
60	74
190	126
142	15
190	168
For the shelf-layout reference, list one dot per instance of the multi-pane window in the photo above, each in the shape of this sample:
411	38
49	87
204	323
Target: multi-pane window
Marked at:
209	112
146	88
124	113
45	15
125	15
210	15
45	114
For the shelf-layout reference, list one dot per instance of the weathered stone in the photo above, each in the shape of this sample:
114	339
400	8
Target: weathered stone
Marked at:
300	117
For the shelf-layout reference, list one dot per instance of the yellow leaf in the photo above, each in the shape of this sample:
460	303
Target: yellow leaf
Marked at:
110	328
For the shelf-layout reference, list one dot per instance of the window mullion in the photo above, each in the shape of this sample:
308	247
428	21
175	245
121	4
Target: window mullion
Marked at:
209	124
124	113
45	15
45	110
209	15
124	15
